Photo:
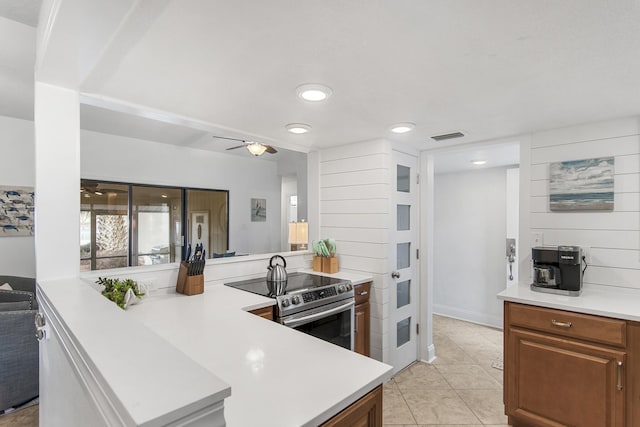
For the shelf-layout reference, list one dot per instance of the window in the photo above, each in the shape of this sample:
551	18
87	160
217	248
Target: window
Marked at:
123	224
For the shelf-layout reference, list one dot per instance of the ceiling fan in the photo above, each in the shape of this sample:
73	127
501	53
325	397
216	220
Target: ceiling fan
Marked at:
89	188
255	148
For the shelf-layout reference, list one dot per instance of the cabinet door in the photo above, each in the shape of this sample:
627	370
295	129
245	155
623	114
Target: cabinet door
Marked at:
266	312
366	412
560	382
361	329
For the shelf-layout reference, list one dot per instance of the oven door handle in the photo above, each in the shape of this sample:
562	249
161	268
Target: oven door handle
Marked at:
310	318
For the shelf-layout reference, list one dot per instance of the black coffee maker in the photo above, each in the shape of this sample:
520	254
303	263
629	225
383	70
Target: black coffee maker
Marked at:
557	269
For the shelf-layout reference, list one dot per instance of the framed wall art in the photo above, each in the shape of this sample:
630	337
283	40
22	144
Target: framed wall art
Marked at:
16	211
582	185
200	228
258	210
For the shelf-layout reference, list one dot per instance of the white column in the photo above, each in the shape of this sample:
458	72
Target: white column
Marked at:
427	175
57	160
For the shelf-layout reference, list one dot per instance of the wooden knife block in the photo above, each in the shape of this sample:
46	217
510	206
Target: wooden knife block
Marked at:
189	285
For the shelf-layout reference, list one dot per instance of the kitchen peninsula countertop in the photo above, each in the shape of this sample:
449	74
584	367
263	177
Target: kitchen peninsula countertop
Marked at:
278	376
608	301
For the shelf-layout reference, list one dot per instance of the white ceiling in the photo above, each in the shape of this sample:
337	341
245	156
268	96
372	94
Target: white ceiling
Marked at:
460	159
23	11
488	69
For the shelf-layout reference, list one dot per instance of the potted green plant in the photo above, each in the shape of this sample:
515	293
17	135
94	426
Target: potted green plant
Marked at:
123	292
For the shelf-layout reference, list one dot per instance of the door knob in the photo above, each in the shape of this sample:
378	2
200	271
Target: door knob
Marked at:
395	274
39	320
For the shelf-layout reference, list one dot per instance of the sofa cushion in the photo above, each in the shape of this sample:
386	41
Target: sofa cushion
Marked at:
15	306
6	287
17	296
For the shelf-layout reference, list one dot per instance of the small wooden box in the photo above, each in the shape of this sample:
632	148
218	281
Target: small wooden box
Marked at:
189	285
317	263
330	264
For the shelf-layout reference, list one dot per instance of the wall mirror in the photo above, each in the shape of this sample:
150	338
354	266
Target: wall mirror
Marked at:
160	185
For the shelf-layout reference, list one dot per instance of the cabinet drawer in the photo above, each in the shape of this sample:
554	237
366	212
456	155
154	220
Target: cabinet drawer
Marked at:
582	326
362	292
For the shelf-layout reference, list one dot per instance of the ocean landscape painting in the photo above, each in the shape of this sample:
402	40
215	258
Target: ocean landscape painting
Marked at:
16	211
581	185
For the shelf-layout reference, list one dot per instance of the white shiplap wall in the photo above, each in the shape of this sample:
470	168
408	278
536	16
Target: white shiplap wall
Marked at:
355	210
613	236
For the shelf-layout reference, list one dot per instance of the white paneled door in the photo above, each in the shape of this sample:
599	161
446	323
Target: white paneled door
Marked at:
403	300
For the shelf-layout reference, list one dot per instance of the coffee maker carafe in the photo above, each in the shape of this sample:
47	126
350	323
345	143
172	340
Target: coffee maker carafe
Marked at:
557	269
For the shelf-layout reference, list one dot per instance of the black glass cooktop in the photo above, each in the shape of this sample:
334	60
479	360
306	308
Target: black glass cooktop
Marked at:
295	282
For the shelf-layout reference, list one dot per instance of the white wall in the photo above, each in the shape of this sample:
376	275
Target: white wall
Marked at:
513	223
354	209
469	242
613	237
18	168
116	158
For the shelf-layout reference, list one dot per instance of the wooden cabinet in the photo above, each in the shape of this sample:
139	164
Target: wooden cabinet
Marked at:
362	320
366	412
265	312
569	369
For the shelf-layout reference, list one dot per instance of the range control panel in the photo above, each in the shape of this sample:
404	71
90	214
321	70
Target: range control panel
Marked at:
306	299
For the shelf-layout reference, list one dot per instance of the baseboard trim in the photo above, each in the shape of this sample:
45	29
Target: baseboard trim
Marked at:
468	316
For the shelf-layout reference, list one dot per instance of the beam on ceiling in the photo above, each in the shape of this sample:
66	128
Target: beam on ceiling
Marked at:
78	39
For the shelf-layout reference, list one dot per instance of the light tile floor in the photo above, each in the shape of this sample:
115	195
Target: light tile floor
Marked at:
27	417
460	388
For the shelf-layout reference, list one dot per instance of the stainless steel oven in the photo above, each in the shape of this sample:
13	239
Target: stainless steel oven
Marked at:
317	305
331	322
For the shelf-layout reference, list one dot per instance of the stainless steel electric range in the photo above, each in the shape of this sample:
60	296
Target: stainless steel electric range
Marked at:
317	305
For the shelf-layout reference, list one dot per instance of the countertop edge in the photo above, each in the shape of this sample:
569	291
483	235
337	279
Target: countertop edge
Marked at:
72	301
607	301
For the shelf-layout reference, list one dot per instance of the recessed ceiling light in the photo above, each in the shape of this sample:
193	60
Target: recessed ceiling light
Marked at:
164	196
313	92
402	127
298	128
479	162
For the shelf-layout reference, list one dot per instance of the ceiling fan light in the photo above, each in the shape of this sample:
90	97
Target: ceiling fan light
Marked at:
256	148
313	92
298	128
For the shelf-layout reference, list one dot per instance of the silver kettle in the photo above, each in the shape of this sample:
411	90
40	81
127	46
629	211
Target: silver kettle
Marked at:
277	272
277	276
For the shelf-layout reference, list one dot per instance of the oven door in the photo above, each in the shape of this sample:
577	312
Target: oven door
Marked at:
331	322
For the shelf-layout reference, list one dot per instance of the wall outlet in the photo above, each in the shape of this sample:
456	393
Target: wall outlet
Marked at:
537	239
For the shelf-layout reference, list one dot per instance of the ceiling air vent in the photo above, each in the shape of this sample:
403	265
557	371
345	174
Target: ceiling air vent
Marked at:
447	136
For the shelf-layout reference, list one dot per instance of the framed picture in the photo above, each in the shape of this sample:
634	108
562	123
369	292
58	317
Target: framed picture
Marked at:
16	211
581	185
258	210
200	229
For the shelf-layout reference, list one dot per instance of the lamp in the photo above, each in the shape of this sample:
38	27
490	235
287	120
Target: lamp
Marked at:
256	148
298	235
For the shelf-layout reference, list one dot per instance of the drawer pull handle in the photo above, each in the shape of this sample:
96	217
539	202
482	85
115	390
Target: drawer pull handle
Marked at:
554	322
619	385
364	293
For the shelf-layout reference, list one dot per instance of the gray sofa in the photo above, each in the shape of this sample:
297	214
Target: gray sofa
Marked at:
18	344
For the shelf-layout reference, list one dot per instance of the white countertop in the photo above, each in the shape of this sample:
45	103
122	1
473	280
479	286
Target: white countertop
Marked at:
136	367
609	301
277	375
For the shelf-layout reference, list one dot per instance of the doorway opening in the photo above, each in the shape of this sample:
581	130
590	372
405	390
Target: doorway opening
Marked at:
475	230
